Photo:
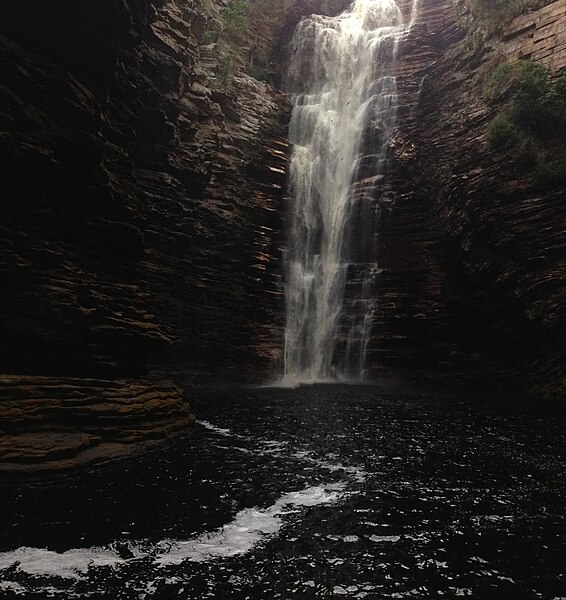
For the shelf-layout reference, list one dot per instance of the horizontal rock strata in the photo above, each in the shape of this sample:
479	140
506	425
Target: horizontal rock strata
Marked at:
471	255
50	424
140	230
540	36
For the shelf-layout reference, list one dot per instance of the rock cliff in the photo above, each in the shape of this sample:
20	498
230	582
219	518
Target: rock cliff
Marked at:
140	219
472	256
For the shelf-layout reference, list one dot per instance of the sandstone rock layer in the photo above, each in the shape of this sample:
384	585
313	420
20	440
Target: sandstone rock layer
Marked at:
50	424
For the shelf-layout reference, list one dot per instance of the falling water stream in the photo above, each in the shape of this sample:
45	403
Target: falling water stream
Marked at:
340	88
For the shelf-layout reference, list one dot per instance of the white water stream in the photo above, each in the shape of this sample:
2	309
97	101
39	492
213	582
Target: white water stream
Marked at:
341	95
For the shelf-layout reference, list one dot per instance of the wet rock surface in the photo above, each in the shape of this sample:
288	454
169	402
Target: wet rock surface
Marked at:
501	240
324	491
470	256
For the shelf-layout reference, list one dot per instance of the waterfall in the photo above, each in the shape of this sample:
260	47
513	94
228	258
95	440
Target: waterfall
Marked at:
414	12
343	102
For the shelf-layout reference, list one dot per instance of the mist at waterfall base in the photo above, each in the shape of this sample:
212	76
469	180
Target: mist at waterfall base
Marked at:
344	112
316	492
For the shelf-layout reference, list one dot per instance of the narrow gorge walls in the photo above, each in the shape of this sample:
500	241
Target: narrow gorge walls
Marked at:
505	237
473	256
140	223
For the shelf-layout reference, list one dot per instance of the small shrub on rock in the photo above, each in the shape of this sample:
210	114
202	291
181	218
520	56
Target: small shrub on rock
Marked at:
533	116
503	132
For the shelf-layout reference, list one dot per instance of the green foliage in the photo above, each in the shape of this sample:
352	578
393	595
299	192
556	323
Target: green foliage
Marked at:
503	132
501	79
524	77
236	17
474	41
555	99
259	73
531	83
560	86
533	102
229	62
551	173
496	14
532	120
244	31
209	36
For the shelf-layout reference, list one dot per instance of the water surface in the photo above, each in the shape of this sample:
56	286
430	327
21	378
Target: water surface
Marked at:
316	492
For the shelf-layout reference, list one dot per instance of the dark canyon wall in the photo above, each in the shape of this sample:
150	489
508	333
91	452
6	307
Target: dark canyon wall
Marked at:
140	200
472	255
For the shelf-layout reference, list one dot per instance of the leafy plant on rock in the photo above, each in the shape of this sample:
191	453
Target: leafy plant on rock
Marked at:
532	120
503	132
236	17
496	14
228	64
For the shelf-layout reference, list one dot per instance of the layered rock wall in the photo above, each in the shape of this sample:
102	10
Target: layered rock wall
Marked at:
540	36
140	220
472	255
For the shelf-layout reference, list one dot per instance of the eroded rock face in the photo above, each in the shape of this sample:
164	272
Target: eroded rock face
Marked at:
472	256
503	239
141	200
539	35
51	424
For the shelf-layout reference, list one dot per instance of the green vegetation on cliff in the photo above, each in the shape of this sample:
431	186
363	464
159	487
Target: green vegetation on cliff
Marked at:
247	33
236	16
532	119
496	14
242	30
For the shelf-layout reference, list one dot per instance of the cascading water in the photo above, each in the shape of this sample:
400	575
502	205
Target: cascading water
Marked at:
339	89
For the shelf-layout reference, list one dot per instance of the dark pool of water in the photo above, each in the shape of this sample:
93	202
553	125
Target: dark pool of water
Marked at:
318	492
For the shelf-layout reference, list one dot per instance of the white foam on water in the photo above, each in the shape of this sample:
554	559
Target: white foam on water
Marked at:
69	564
339	590
236	448
12	586
290	381
385	538
266	447
358	474
249	527
216	429
275	448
